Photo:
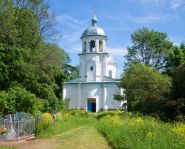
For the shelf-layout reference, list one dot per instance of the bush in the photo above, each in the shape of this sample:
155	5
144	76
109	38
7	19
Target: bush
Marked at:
82	113
18	99
62	116
108	113
44	122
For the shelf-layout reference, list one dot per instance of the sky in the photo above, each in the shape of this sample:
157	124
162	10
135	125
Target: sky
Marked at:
119	19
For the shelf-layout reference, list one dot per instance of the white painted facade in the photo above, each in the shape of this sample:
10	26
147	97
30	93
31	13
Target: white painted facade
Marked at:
95	88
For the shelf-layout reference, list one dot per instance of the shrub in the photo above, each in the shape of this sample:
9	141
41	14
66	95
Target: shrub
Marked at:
44	122
108	113
19	99
82	113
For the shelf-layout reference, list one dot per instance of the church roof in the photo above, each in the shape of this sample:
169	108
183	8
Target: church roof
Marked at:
94	30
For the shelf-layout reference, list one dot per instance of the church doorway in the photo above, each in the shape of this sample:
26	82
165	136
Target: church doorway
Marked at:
91	104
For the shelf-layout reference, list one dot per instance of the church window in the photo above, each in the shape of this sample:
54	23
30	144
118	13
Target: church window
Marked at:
91	68
84	47
110	73
92	46
101	46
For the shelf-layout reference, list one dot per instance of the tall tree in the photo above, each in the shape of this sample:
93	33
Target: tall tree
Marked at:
175	108
26	59
175	58
149	47
145	87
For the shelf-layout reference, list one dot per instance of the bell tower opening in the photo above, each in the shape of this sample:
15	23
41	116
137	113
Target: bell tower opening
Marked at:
84	47
92	46
101	46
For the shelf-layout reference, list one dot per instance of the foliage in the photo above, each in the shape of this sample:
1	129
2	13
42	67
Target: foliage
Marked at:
175	58
175	108
108	113
81	113
131	131
19	99
144	86
149	47
179	82
45	121
27	59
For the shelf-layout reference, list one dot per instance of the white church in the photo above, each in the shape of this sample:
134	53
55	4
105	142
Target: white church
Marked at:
96	86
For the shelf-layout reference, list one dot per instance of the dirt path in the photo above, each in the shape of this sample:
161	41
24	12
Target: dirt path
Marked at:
31	144
86	137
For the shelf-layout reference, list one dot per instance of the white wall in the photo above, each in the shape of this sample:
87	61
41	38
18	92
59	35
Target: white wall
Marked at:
104	94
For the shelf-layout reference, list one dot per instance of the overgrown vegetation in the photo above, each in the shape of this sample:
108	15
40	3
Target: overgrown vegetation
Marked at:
131	131
122	130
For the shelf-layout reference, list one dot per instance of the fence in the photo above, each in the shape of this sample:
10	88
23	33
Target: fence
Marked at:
15	128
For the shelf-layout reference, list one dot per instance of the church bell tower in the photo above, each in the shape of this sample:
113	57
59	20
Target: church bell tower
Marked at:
94	57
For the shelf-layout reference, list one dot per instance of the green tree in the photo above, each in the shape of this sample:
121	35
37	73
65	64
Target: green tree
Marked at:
179	82
176	57
149	47
145	88
175	108
25	56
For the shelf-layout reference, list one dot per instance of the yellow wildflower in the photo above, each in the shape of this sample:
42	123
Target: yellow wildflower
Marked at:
179	129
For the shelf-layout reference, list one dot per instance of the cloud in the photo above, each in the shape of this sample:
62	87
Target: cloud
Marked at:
147	19
175	4
172	4
71	37
71	21
117	52
157	18
153	2
72	30
75	49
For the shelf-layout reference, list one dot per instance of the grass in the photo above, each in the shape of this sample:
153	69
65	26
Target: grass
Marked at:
78	132
122	131
85	137
71	123
133	132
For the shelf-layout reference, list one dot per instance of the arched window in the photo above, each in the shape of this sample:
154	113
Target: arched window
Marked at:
84	47
101	46
110	73
92	46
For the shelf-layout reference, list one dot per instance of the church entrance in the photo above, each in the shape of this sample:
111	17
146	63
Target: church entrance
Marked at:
91	104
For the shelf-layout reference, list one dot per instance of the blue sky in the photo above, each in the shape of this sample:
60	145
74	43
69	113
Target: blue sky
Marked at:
118	18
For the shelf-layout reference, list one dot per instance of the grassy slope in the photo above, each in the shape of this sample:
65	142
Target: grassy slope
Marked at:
77	132
86	137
